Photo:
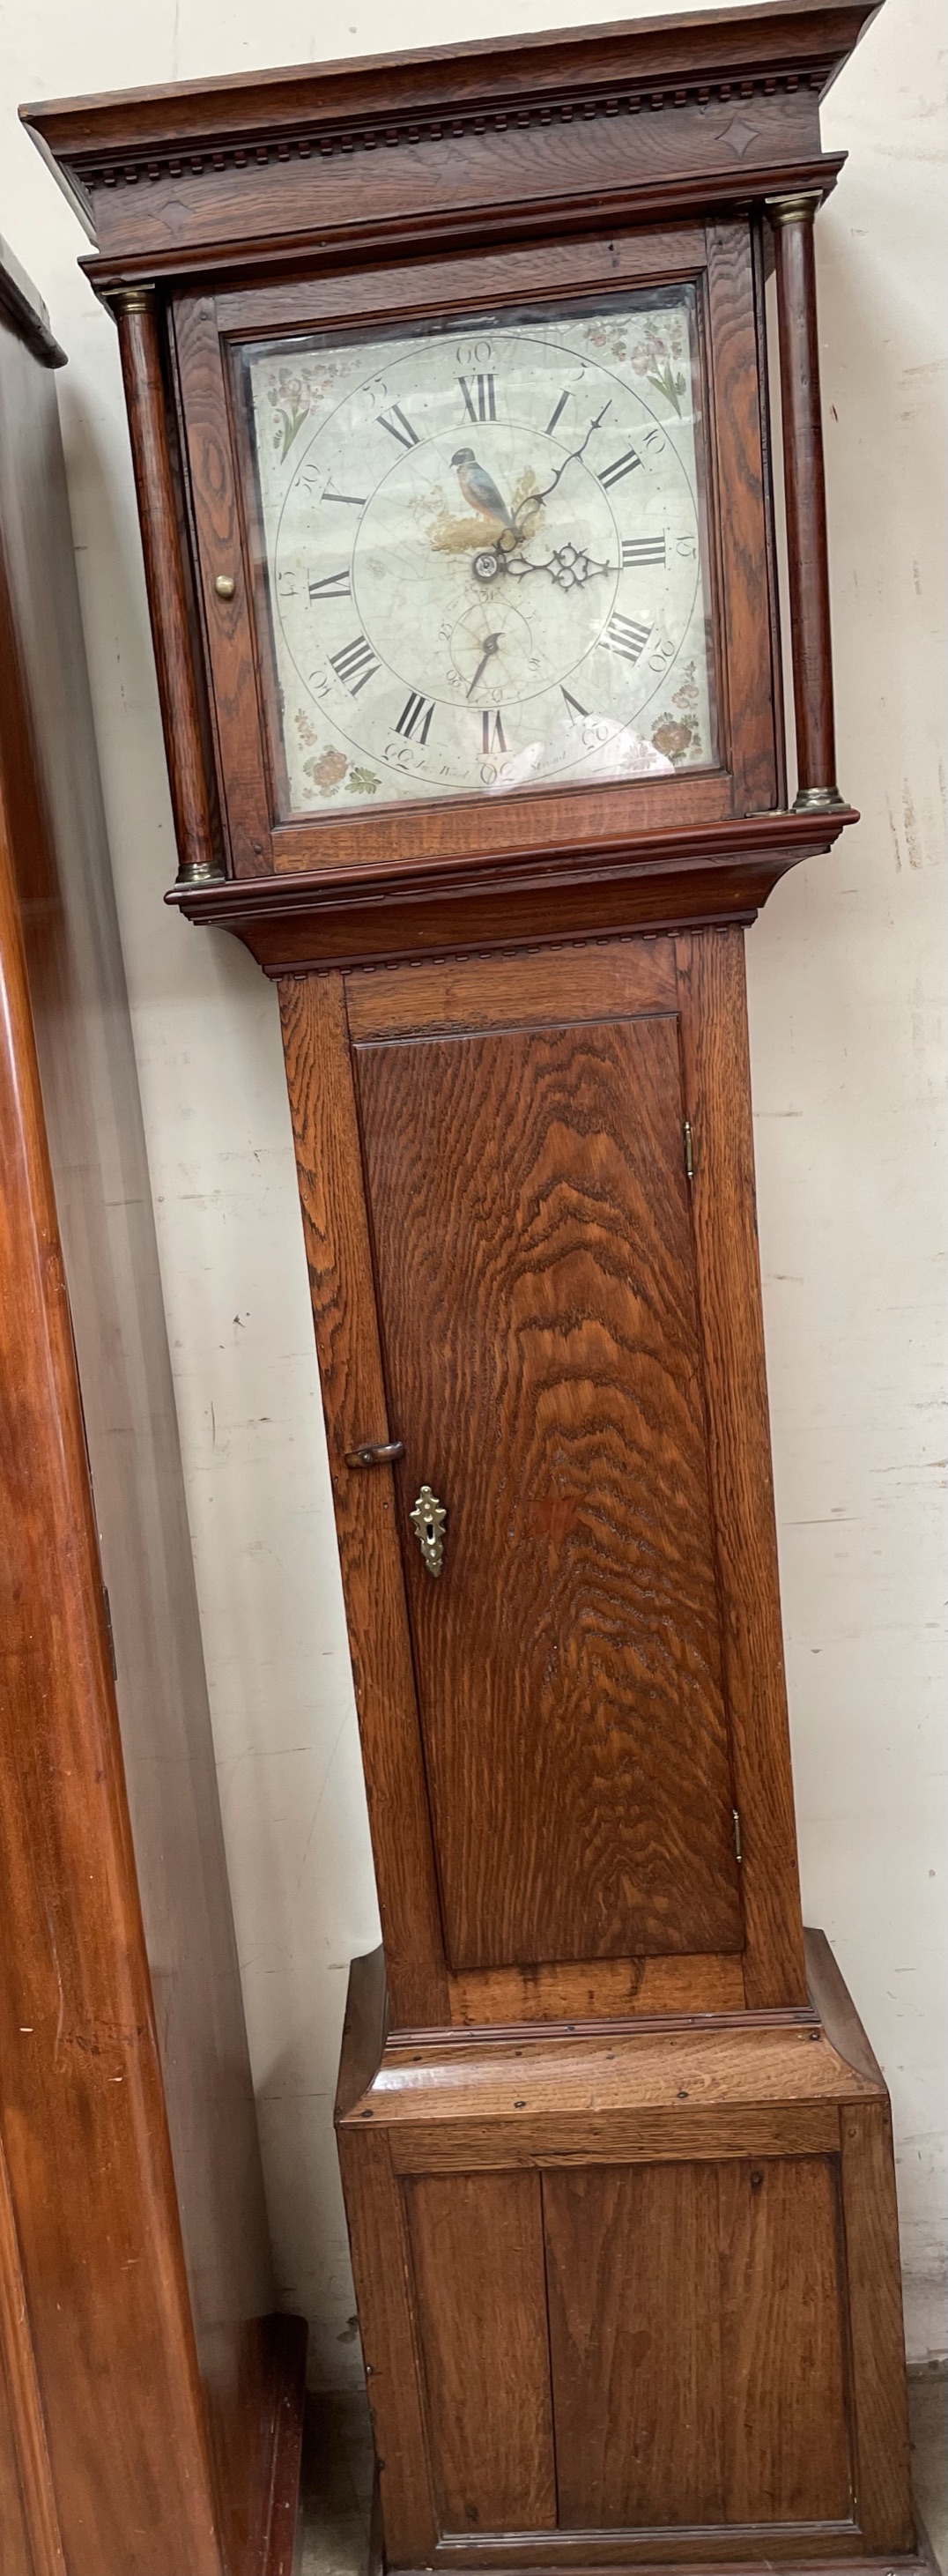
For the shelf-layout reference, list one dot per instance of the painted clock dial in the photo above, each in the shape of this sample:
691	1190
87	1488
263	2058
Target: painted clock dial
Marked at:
484	554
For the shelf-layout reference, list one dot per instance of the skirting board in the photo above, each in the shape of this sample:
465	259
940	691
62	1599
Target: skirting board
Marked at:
287	2339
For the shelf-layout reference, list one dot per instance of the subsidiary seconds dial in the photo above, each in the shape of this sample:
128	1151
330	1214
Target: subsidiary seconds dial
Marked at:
484	556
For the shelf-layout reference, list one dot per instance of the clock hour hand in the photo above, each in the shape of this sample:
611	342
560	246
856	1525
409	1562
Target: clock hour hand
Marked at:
569	566
491	646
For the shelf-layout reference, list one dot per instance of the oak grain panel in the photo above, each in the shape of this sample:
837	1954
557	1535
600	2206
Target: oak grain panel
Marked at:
536	1293
477	2252
614	977
690	2132
381	2266
486	281
717	1088
328	1171
870	2217
632	2262
787	2443
446	841
697	2345
609	1989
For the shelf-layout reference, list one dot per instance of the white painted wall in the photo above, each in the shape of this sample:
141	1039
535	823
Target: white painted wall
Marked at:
846	971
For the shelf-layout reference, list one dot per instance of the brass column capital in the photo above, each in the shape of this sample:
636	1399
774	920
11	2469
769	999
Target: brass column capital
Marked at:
138	297
801	209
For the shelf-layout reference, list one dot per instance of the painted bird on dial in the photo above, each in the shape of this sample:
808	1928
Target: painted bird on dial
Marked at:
479	488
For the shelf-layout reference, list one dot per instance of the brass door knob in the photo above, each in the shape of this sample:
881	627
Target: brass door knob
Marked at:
375	1453
225	585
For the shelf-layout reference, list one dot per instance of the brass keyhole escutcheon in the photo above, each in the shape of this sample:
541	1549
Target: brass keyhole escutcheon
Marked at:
428	1517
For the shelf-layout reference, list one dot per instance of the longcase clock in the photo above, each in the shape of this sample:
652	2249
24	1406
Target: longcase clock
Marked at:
447	388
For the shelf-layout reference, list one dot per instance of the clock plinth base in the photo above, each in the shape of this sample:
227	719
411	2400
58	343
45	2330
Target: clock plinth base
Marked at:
630	2300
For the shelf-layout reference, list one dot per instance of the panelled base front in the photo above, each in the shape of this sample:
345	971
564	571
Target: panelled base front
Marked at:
630	2299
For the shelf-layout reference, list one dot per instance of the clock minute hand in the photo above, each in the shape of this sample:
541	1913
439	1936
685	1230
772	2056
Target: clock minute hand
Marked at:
532	500
491	645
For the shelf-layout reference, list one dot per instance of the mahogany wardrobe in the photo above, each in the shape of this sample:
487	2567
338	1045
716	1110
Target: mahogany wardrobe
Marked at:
150	2399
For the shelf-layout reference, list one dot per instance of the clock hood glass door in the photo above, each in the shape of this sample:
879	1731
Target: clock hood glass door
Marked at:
481	553
535	1274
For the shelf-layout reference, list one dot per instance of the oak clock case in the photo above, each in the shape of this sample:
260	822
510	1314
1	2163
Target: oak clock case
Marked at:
447	389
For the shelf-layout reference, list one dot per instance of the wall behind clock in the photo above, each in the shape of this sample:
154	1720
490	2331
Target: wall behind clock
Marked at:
846	972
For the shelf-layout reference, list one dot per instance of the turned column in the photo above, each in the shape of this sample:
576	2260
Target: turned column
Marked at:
805	497
185	746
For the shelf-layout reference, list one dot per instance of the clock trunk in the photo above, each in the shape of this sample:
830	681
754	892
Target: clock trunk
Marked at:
545	1276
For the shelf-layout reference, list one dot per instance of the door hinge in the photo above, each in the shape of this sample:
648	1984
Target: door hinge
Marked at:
689	1149
107	1606
738	1854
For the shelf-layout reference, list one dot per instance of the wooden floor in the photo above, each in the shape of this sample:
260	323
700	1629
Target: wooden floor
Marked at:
337	2477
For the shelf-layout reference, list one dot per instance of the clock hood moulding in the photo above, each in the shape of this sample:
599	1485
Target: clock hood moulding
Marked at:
476	141
292	928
